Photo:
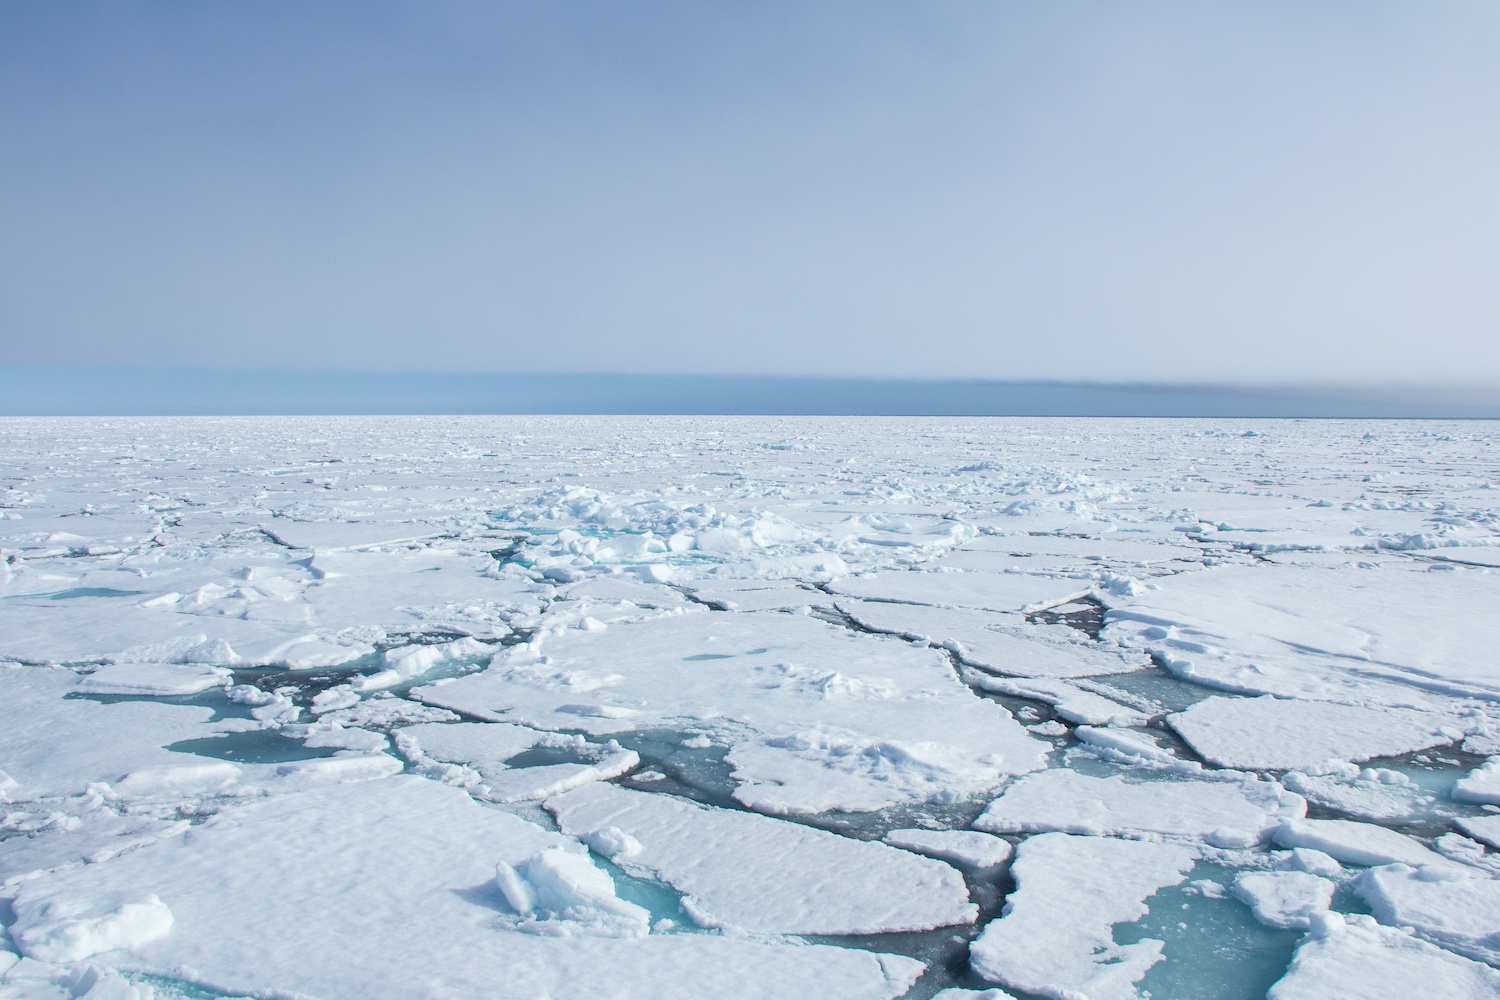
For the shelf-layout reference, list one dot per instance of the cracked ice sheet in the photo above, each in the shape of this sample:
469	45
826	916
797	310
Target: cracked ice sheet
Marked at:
817	717
405	853
1071	703
1234	813
999	641
984	591
472	755
1269	733
1055	937
1332	634
745	872
54	746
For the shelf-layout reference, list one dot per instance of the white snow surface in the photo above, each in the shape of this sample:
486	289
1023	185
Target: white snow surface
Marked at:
1354	958
768	876
409	853
1356	843
542	572
1284	899
1235	813
1274	733
965	847
1054	937
1481	785
1449	906
817	717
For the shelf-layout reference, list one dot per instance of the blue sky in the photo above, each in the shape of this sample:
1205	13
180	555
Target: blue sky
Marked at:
1243	192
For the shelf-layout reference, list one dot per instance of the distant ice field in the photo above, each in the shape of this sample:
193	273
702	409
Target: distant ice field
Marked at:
674	707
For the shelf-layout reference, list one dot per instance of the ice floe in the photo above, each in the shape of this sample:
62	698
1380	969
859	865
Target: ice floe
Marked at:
1054	938
768	875
816	717
403	852
1356	957
1231	814
1274	733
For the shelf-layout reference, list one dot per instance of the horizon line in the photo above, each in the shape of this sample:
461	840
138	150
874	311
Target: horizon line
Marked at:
56	391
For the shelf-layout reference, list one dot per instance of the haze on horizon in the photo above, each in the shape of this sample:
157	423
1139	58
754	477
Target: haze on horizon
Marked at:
1270	192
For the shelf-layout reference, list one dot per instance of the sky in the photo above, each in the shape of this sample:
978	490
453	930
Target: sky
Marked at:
1266	192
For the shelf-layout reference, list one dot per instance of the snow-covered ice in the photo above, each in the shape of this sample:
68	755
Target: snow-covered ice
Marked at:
1284	898
1238	813
1054	938
767	677
1273	733
766	875
1356	958
965	847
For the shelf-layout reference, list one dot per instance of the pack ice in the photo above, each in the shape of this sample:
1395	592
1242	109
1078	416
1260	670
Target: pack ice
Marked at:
757	707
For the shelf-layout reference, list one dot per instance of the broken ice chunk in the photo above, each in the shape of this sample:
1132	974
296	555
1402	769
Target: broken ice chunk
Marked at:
1453	906
1056	937
768	875
1273	734
1284	899
1356	843
1221	813
965	847
1481	785
557	884
1068	701
72	926
164	679
1356	957
1306	859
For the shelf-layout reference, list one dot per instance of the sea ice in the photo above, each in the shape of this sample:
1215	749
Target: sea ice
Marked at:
817	717
1273	733
999	642
1284	899
1368	793
360	859
984	591
1356	958
1337	635
964	847
1481	785
152	679
1069	702
1485	828
1356	843
1055	939
473	755
743	871
1451	906
1238	813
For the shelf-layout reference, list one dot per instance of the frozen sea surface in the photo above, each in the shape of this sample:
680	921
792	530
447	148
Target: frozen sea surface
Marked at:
864	708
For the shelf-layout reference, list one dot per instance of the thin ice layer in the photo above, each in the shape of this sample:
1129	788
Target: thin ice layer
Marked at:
749	872
403	852
1354	958
1275	734
817	717
1239	813
1055	937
